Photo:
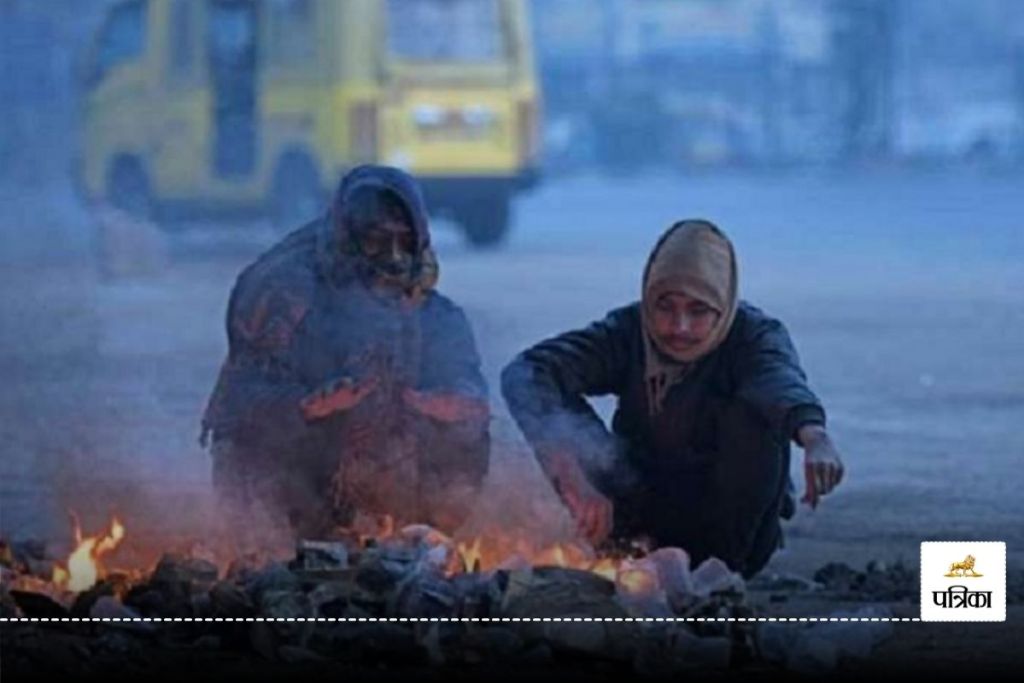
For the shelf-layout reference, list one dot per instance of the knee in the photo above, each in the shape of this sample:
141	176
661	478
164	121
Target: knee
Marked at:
745	436
765	545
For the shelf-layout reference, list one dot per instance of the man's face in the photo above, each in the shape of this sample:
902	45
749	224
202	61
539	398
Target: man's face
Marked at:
388	245
681	322
387	239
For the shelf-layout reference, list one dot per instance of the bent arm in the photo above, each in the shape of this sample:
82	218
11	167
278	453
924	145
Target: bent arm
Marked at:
546	387
258	393
451	362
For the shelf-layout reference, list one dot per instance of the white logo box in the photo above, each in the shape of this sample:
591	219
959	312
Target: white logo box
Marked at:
964	595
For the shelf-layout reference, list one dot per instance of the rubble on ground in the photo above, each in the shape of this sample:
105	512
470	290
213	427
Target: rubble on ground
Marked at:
879	582
411	576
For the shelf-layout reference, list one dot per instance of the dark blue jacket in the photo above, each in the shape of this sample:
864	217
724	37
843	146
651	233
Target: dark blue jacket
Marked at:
299	317
546	388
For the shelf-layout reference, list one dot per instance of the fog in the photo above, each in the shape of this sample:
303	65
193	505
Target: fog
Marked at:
867	159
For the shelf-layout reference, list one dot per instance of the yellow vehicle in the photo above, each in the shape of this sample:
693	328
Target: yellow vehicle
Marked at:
249	106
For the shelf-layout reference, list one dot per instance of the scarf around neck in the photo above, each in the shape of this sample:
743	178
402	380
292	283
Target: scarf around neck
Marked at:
693	257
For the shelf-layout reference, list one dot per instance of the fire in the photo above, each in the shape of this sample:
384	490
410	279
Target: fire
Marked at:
637	580
470	553
606	567
567	555
495	548
84	568
554	557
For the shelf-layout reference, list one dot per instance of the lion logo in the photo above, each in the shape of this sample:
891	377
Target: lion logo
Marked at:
960	569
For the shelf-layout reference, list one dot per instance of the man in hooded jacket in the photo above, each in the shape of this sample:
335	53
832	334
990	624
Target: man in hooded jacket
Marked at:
351	385
710	394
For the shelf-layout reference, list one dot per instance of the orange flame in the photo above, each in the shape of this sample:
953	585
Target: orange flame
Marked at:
495	548
471	554
606	567
84	568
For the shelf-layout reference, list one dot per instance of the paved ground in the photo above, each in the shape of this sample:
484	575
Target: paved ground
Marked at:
902	291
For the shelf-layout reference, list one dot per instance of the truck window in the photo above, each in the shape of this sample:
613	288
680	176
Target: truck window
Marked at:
291	28
462	31
123	38
181	41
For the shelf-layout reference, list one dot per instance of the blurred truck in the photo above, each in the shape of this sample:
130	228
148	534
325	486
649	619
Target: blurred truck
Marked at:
216	107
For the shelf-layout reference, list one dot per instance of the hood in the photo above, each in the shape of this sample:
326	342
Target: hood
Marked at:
335	250
695	257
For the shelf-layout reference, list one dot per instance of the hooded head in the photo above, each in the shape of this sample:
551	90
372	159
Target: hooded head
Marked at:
377	230
690	297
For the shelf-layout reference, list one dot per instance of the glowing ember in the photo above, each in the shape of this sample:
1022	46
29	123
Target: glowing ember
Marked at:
637	580
83	566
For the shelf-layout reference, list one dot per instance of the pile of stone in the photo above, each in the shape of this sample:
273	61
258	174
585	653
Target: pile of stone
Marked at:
408	600
448	617
879	582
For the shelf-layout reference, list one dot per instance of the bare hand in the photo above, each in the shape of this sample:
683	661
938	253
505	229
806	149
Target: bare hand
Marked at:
338	396
823	467
593	512
446	407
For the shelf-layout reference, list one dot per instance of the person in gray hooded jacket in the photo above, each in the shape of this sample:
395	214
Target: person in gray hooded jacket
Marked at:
350	385
710	394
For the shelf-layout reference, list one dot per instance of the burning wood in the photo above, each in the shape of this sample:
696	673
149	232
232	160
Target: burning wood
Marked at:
379	556
84	567
413	571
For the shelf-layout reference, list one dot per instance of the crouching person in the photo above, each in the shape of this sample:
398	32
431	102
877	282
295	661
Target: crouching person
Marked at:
351	385
710	394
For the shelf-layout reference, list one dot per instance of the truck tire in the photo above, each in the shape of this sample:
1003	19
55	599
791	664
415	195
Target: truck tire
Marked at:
128	188
486	218
296	195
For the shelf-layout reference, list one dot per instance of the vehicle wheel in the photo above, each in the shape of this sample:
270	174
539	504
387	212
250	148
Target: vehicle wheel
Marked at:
486	218
296	195
128	189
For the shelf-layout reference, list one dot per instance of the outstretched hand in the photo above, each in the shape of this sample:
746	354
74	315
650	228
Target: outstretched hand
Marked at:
337	397
823	466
